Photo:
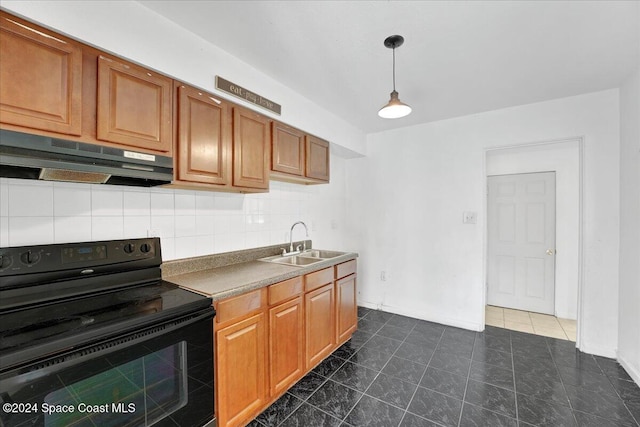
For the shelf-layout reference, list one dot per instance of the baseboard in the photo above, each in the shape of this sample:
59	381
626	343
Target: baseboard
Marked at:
633	373
598	351
443	320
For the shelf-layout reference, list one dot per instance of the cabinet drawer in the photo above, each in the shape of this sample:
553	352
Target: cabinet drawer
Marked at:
345	269
315	280
282	291
239	306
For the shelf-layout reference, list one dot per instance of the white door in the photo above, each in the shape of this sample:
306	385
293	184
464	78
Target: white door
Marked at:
521	245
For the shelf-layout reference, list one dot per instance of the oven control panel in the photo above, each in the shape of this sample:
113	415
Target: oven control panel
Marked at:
49	258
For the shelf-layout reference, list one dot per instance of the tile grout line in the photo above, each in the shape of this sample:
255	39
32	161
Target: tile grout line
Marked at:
326	379
466	385
515	387
423	374
380	371
573	414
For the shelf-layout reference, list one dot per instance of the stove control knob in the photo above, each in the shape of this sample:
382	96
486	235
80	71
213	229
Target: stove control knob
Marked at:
129	248
29	258
5	261
145	248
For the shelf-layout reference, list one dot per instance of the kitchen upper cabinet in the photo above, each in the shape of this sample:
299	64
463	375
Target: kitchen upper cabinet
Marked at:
204	138
318	159
40	78
251	149
134	105
287	150
297	157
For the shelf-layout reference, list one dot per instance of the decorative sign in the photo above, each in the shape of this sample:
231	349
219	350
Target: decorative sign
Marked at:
247	95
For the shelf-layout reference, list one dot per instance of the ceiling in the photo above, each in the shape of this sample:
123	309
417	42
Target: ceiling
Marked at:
458	58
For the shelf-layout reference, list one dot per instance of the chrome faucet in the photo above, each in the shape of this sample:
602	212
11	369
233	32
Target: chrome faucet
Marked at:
304	242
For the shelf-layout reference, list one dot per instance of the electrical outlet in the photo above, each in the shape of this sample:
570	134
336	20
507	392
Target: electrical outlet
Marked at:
383	276
469	218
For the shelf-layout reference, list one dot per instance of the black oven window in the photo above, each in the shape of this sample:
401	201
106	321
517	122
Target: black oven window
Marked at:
129	393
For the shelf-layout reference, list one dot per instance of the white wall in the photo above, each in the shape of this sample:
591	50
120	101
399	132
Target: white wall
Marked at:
190	223
562	157
629	330
406	200
129	30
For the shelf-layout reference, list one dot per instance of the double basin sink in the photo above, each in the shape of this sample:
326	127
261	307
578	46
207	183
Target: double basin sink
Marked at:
301	259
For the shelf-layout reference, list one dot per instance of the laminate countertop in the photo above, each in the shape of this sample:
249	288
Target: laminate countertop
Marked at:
225	281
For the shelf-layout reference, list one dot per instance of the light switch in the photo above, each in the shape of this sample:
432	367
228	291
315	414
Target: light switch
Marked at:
469	217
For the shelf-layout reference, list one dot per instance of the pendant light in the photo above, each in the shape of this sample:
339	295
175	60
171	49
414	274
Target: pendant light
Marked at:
395	108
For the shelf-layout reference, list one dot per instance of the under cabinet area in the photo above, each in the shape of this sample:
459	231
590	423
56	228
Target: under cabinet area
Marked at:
267	339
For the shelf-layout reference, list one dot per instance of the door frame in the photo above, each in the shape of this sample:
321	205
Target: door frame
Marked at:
485	232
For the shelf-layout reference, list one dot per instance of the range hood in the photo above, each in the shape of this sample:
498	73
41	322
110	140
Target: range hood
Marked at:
39	157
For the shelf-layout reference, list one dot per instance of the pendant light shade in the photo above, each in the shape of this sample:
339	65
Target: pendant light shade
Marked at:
394	108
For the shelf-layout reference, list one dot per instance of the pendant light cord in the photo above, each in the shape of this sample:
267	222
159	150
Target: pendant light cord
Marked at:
394	69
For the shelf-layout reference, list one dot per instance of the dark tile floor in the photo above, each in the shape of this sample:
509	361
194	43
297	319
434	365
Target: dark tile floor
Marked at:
399	371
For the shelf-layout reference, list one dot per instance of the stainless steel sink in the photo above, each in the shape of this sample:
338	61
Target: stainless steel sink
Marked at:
307	257
295	260
316	253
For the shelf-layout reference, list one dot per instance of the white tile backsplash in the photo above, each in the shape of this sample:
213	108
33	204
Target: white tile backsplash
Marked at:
72	229
190	223
106	202
25	230
107	227
136	203
71	200
30	200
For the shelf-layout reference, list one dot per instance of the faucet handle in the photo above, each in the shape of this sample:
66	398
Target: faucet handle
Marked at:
298	248
284	251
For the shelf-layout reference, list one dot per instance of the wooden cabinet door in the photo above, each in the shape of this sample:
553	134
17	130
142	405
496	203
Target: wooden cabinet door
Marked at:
346	307
241	370
134	105
288	150
40	78
204	137
251	149
319	324
317	163
286	351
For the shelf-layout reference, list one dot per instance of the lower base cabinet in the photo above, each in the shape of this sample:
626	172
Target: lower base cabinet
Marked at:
346	308
286	345
319	324
269	338
241	370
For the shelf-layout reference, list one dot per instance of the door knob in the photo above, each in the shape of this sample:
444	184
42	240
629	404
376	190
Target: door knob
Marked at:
549	251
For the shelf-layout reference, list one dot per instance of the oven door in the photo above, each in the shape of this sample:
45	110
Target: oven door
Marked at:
162	375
